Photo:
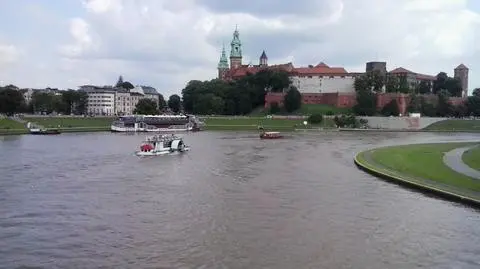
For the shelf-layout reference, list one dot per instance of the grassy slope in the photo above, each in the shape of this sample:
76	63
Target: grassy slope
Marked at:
472	158
425	162
252	123
306	109
10	124
70	122
455	125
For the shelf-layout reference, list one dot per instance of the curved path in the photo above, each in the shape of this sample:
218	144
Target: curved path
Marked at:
453	159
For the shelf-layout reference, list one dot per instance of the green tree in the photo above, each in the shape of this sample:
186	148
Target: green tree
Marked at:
473	105
362	83
423	87
161	102
315	119
414	105
292	100
146	106
43	102
127	85
366	103
427	108
476	92
376	80
444	108
403	85
11	101
392	84
391	109
175	103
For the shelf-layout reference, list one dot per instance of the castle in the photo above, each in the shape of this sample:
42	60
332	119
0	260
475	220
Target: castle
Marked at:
323	84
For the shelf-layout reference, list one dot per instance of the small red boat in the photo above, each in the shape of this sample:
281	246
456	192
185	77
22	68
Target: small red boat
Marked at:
270	135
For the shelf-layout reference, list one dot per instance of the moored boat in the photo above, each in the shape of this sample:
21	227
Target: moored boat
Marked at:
156	123
44	131
158	145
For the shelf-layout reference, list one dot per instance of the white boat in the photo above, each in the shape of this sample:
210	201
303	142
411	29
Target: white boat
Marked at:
156	123
162	145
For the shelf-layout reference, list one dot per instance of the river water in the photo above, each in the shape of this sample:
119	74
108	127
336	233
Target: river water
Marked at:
234	201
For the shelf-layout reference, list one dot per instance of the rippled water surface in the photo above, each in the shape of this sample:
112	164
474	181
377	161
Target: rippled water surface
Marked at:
234	201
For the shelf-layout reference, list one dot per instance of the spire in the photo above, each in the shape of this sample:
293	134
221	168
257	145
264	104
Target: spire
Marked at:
264	55
223	63
236	45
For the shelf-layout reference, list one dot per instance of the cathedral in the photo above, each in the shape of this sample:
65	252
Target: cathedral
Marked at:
235	69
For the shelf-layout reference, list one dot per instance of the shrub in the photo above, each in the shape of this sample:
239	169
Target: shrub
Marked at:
315	119
329	113
274	108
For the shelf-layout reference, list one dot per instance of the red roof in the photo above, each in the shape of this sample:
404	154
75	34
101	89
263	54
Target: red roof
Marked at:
401	70
322	64
320	70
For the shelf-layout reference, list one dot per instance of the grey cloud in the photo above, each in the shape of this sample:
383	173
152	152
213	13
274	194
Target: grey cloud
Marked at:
267	8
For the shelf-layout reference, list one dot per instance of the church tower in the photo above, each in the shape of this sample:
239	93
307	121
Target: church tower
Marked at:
223	64
263	60
461	73
236	50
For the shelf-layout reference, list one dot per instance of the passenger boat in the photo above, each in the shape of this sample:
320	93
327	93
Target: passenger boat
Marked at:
37	131
158	145
269	135
156	123
34	130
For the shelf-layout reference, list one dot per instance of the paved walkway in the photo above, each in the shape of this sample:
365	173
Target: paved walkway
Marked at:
453	159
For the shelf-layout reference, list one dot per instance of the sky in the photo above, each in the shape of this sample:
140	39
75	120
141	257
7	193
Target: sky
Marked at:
164	44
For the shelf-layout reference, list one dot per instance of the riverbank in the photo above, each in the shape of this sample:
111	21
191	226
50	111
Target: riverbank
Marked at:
421	166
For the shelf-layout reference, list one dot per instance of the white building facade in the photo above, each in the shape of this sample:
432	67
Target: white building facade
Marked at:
109	101
324	84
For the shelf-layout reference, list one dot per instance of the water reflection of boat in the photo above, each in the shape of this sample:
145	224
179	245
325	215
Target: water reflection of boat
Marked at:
162	145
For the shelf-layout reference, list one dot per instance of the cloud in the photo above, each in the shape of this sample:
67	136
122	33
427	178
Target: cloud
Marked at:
167	43
9	54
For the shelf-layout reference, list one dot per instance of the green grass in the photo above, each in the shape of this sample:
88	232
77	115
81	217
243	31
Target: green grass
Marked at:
8	124
472	158
424	165
455	125
305	109
70	122
252	123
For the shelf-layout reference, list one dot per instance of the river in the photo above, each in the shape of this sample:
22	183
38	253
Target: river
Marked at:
85	201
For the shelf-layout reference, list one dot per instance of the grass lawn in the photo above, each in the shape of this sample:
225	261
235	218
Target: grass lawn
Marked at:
8	124
252	123
472	157
306	109
423	164
68	122
455	125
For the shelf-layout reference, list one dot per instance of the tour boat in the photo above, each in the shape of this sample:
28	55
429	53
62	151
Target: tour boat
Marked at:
34	130
270	135
162	145
44	131
156	123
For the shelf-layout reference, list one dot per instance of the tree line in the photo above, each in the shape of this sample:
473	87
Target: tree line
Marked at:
429	99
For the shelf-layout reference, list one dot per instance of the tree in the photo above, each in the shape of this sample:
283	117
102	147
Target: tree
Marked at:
444	108
174	103
146	106
427	109
315	119
292	100
11	101
444	82
239	97
392	84
476	92
376	80
43	102
366	103
403	85
414	105
423	87
473	105
161	102
362	83
391	109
